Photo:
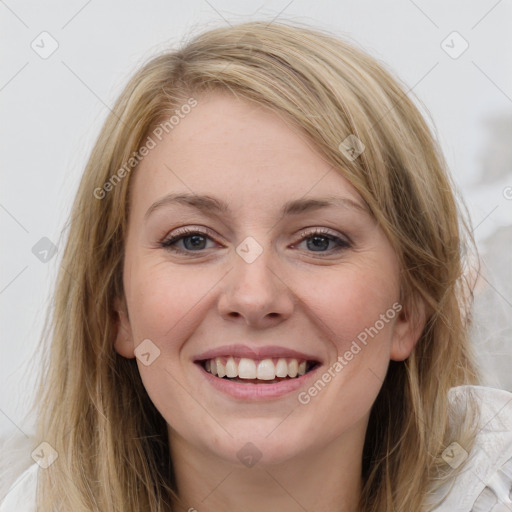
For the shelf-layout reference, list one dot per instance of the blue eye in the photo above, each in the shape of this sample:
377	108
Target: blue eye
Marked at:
317	241
192	241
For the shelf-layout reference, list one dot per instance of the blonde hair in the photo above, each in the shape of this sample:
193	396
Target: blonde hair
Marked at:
93	408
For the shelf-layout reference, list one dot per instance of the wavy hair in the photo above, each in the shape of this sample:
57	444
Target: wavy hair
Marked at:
92	406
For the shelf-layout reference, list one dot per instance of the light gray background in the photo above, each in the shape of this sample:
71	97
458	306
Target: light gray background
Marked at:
52	109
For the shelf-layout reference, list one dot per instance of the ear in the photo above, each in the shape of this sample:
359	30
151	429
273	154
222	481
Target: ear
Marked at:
408	328
124	340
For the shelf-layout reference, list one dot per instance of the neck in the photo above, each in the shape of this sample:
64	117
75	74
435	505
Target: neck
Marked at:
322	479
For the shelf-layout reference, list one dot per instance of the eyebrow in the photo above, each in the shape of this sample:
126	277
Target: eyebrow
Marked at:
212	205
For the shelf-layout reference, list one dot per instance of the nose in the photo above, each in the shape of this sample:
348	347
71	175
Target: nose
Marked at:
256	293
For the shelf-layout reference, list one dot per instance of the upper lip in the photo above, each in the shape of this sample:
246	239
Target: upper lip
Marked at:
266	352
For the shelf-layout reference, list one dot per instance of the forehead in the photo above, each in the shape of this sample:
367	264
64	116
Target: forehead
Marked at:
238	150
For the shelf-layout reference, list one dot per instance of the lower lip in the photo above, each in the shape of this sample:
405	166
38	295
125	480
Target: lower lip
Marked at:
257	391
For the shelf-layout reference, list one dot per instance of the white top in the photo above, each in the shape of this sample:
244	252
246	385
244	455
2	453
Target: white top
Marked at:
484	485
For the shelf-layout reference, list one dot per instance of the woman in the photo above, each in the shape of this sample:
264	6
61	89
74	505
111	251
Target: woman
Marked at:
262	303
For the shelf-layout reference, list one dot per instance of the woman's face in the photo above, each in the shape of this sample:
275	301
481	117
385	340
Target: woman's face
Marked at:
281	269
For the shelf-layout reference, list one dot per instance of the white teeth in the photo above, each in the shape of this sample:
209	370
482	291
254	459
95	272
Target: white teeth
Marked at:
221	369
246	368
293	368
266	370
231	369
281	368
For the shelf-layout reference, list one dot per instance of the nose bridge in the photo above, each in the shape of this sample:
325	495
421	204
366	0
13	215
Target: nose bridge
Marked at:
252	273
254	289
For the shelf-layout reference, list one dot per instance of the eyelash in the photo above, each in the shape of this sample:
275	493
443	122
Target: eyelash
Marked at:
168	243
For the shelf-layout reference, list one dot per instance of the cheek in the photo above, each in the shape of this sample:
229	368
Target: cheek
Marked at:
350	301
355	306
355	309
163	300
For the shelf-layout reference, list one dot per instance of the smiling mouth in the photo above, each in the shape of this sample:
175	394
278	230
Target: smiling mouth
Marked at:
257	371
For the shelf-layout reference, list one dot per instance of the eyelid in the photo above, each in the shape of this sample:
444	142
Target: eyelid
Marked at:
180	233
311	231
191	230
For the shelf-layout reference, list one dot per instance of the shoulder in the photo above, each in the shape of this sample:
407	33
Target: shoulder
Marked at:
22	493
486	478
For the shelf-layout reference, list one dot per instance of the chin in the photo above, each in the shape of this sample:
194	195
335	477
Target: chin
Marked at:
262	447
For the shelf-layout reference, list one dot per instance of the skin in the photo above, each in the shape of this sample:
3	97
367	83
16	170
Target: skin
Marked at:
295	295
